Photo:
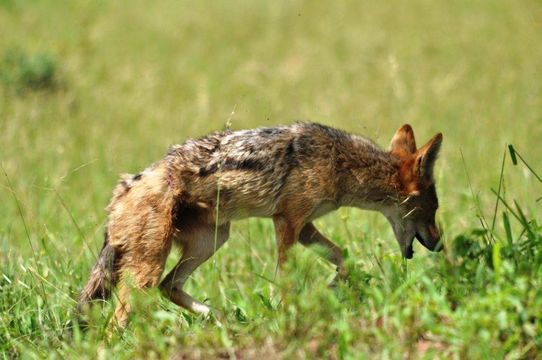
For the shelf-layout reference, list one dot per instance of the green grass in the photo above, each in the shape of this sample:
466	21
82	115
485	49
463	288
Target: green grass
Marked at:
92	89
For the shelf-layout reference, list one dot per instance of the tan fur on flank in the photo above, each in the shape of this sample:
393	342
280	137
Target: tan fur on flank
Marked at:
292	174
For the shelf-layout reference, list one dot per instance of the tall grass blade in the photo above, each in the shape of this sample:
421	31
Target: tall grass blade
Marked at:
75	224
501	177
41	287
514	155
509	236
507	228
496	258
506	205
480	214
525	222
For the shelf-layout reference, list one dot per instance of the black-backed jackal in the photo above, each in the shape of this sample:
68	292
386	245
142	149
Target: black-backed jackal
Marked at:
292	174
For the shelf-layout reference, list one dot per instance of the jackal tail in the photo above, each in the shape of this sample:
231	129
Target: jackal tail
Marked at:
102	276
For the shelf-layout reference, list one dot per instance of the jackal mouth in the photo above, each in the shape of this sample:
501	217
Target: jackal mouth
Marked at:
420	239
437	246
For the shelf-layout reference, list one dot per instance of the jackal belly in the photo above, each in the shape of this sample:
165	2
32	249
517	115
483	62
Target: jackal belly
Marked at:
245	201
235	195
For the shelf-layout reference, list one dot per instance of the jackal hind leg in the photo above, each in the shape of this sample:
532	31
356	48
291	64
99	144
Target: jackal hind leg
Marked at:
138	272
198	247
311	236
141	265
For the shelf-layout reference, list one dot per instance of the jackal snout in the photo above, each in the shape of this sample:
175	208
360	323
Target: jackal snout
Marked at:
427	232
429	237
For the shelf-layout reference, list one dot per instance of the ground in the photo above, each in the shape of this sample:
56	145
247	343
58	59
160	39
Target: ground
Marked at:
91	89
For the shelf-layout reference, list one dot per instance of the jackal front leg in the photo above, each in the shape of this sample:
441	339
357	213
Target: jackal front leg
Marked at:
198	247
310	236
286	234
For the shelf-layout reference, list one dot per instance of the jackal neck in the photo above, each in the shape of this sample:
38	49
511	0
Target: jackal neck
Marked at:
368	176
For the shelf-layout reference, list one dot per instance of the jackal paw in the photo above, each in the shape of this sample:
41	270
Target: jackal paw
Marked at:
336	281
342	276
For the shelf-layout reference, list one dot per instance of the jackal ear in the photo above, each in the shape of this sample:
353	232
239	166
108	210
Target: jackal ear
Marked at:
426	157
403	142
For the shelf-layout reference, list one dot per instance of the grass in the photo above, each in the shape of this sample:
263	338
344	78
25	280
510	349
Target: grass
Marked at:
92	89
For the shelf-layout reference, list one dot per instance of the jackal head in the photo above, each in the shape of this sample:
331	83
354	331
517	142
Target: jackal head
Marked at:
414	214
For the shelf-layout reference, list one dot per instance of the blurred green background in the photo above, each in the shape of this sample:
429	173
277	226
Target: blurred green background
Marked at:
90	89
